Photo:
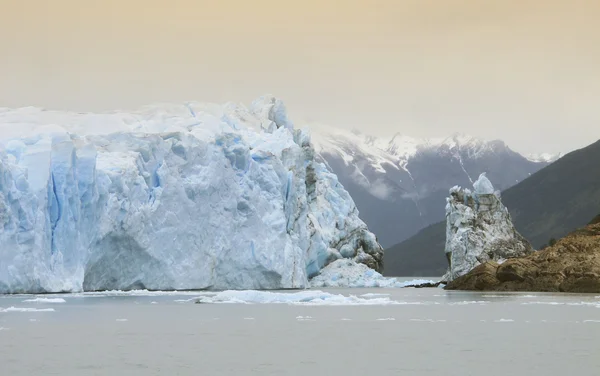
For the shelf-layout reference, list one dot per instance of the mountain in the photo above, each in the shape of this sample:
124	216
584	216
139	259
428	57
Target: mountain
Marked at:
549	204
190	196
400	184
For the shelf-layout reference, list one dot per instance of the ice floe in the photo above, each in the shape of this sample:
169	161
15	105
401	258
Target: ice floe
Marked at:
20	309
45	300
307	297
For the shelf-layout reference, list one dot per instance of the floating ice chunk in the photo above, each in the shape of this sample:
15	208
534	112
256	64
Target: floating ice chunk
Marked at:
591	321
121	320
141	293
543	303
185	300
414	282
504	320
248	318
305	318
373	295
45	300
19	309
387	319
584	304
308	297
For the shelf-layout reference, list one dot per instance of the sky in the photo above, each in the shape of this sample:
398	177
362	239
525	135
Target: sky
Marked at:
524	71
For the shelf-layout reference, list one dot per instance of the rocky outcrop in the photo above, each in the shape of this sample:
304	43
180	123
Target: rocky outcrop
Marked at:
479	229
571	265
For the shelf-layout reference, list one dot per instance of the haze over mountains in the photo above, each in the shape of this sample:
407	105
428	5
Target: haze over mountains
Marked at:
549	204
399	184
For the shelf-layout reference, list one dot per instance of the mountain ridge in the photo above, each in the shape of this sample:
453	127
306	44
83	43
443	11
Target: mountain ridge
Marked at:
400	183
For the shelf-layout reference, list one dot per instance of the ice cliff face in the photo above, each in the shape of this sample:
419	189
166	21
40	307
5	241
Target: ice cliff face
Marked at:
479	229
170	197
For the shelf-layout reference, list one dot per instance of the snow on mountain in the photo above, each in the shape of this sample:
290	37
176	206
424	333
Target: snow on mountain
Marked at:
347	144
400	149
188	196
544	157
399	182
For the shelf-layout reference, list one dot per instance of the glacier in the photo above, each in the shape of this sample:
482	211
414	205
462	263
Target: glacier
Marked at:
170	197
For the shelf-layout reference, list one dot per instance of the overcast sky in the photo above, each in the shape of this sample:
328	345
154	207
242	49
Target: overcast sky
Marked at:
525	71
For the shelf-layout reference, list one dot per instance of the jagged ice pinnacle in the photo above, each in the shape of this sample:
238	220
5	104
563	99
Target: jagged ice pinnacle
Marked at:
478	229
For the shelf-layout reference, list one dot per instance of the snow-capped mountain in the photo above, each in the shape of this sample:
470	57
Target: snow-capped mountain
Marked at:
400	183
169	197
544	157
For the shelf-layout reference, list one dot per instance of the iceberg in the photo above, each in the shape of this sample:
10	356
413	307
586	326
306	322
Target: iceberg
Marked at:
170	197
479	228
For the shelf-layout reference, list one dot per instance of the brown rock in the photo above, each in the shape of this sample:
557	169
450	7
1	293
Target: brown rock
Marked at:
571	265
477	279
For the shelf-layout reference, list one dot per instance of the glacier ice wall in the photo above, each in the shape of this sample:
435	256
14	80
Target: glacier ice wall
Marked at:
478	229
189	196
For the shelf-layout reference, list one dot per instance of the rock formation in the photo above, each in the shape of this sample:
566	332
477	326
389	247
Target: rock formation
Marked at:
571	265
479	229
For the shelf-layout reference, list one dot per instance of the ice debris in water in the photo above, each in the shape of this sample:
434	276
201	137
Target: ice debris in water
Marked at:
348	273
170	197
373	295
45	300
308	297
19	309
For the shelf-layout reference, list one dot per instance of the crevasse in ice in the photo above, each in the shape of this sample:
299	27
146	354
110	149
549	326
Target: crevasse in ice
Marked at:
186	196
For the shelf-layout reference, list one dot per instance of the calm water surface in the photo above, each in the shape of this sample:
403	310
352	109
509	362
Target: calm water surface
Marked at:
433	332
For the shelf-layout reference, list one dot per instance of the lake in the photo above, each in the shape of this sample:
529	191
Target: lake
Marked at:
334	332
